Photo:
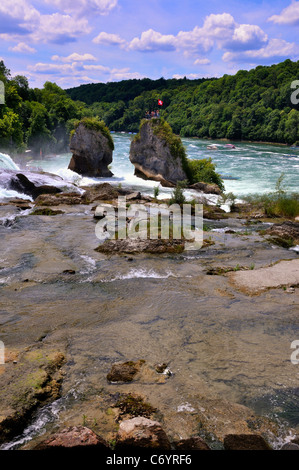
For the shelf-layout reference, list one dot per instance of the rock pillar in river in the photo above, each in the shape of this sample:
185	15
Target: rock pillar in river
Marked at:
158	154
92	146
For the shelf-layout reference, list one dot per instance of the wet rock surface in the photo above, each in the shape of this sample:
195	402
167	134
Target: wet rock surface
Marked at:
245	442
91	152
59	295
34	183
124	372
73	438
193	443
287	230
141	432
151	155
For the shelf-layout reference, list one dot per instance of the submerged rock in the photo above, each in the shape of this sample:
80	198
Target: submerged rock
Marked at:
207	188
100	192
134	405
34	183
193	443
155	153
124	372
141	246
73	438
92	150
141	432
60	198
245	442
33	381
287	230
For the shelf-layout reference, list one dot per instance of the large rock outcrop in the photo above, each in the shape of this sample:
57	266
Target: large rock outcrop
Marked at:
92	147
157	153
35	183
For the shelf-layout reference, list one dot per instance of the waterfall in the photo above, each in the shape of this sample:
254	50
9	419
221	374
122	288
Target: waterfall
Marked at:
7	162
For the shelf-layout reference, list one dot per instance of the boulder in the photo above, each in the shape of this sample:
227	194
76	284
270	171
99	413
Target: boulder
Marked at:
193	443
245	442
141	432
124	372
100	192
34	183
141	246
59	198
73	438
286	231
290	446
207	188
153	155
92	152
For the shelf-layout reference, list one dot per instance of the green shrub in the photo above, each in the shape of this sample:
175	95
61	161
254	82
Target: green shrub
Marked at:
204	171
178	193
96	125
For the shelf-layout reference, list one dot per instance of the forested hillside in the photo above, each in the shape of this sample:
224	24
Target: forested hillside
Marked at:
251	105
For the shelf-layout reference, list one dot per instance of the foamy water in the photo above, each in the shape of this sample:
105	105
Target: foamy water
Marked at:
247	169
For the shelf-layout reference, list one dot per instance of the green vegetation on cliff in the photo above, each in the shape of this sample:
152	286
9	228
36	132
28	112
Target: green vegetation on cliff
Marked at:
95	124
250	105
40	119
203	170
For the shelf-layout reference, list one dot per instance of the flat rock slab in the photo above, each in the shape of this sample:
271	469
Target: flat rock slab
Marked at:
284	273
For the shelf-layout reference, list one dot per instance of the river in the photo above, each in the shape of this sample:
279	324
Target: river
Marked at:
229	352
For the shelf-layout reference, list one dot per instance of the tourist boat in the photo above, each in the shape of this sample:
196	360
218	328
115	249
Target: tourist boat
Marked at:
212	147
231	146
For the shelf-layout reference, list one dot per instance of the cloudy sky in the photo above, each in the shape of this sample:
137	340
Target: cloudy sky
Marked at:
72	42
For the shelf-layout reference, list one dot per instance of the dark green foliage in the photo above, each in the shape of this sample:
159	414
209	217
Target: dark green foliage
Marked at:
204	171
125	90
280	203
177	196
251	105
97	125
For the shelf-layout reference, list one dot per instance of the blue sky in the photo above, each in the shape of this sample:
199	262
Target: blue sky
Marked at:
72	42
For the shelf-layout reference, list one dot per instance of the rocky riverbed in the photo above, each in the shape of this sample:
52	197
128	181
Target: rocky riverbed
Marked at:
220	320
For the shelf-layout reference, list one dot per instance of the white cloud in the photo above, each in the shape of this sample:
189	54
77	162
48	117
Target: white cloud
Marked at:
275	49
123	74
41	67
97	68
108	39
193	41
59	28
102	7
220	26
221	30
247	36
202	62
29	22
23	48
151	41
191	76
74	58
70	73
20	9
290	15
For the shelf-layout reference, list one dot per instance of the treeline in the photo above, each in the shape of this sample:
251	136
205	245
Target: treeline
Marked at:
251	105
126	90
38	119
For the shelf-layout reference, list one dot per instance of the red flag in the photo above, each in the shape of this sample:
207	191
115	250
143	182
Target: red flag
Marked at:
160	102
